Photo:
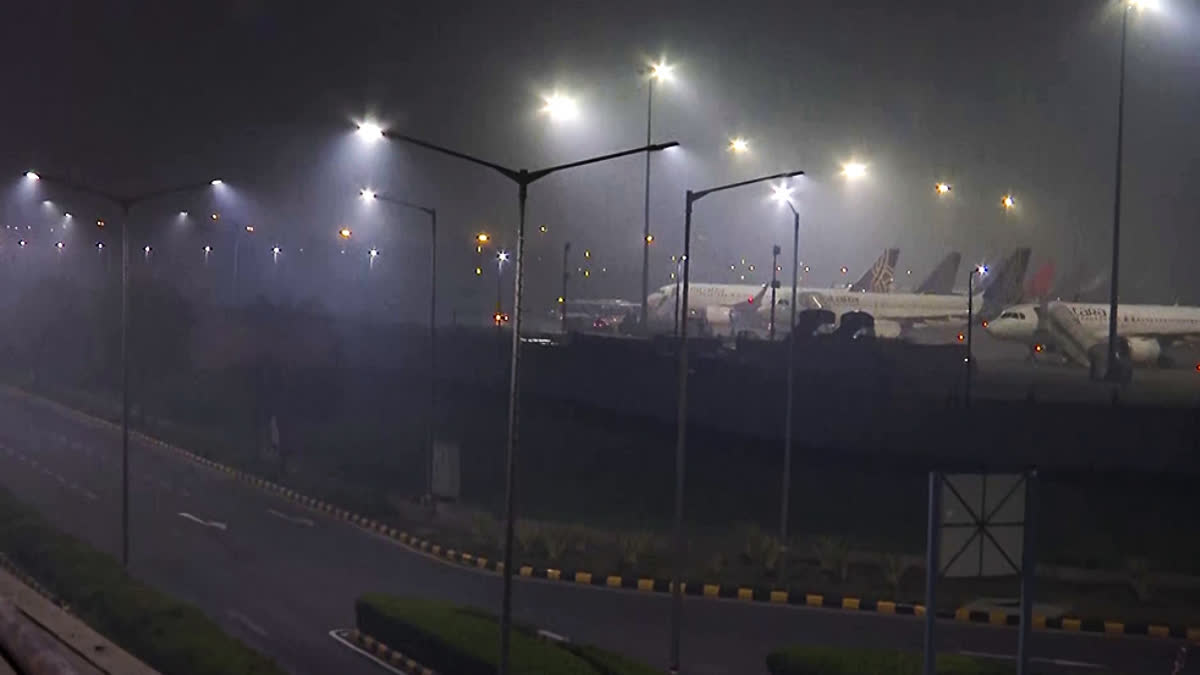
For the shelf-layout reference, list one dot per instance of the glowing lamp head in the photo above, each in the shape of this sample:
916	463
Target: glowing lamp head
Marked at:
781	193
21	243
369	131
214	217
373	252
146	249
739	144
183	214
961	337
1008	202
649	239
560	107
942	188
854	170
367	194
482	238
844	269
32	175
981	270
276	250
59	245
216	182
502	256
207	250
99	246
1143	5
249	228
345	233
68	215
661	71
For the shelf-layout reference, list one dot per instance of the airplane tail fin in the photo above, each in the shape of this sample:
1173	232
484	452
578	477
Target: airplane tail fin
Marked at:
881	276
1007	285
1039	284
941	279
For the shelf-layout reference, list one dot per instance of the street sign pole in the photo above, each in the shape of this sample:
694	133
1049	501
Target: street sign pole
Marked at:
932	562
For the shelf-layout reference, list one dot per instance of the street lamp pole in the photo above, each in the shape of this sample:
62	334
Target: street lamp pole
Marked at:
1113	373
784	502
775	250
646	214
126	205
969	360
430	426
566	274
523	178
691	198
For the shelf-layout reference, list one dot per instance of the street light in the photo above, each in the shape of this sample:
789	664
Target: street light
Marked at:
854	170
739	144
1008	202
126	204
371	195
942	189
345	233
482	238
523	178
216	182
560	107
691	198
1112	374
369	131
658	72
783	194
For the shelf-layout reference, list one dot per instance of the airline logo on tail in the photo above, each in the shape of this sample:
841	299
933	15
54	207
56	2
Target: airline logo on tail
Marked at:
882	275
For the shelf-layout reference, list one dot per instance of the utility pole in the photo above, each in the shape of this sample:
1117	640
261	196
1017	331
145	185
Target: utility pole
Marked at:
566	274
774	285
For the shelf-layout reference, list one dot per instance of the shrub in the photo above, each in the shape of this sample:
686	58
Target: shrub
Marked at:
834	555
843	661
633	546
893	567
556	539
463	641
168	635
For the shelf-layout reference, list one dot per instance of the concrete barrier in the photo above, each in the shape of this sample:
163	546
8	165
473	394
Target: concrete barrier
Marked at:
24	643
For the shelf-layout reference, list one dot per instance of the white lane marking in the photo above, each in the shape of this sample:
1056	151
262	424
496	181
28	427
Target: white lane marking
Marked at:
245	621
1065	663
292	519
551	636
339	635
206	523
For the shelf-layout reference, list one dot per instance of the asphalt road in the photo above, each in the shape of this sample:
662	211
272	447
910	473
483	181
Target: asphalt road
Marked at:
281	578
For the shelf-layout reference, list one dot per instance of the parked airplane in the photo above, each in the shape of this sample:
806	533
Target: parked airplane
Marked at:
895	314
721	306
1079	331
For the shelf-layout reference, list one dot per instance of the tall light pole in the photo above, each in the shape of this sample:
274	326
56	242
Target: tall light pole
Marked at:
784	194
126	203
566	276
501	258
659	71
371	195
523	178
1113	374
690	198
237	245
980	271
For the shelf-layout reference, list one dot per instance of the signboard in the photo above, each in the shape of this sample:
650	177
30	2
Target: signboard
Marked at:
446	470
983	523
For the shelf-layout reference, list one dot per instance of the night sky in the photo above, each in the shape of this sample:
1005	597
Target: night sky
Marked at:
993	97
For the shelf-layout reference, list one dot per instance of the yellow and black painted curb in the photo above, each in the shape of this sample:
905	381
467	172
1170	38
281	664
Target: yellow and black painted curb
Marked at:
386	654
645	584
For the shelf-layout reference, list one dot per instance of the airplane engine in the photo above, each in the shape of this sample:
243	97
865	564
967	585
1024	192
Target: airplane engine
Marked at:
887	329
1144	350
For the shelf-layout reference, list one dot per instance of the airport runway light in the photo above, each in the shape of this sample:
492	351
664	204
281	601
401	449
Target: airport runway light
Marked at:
854	170
369	131
739	145
367	194
560	107
32	175
942	189
345	233
1008	202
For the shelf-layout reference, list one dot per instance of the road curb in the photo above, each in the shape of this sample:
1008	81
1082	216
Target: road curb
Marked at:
751	594
386	654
